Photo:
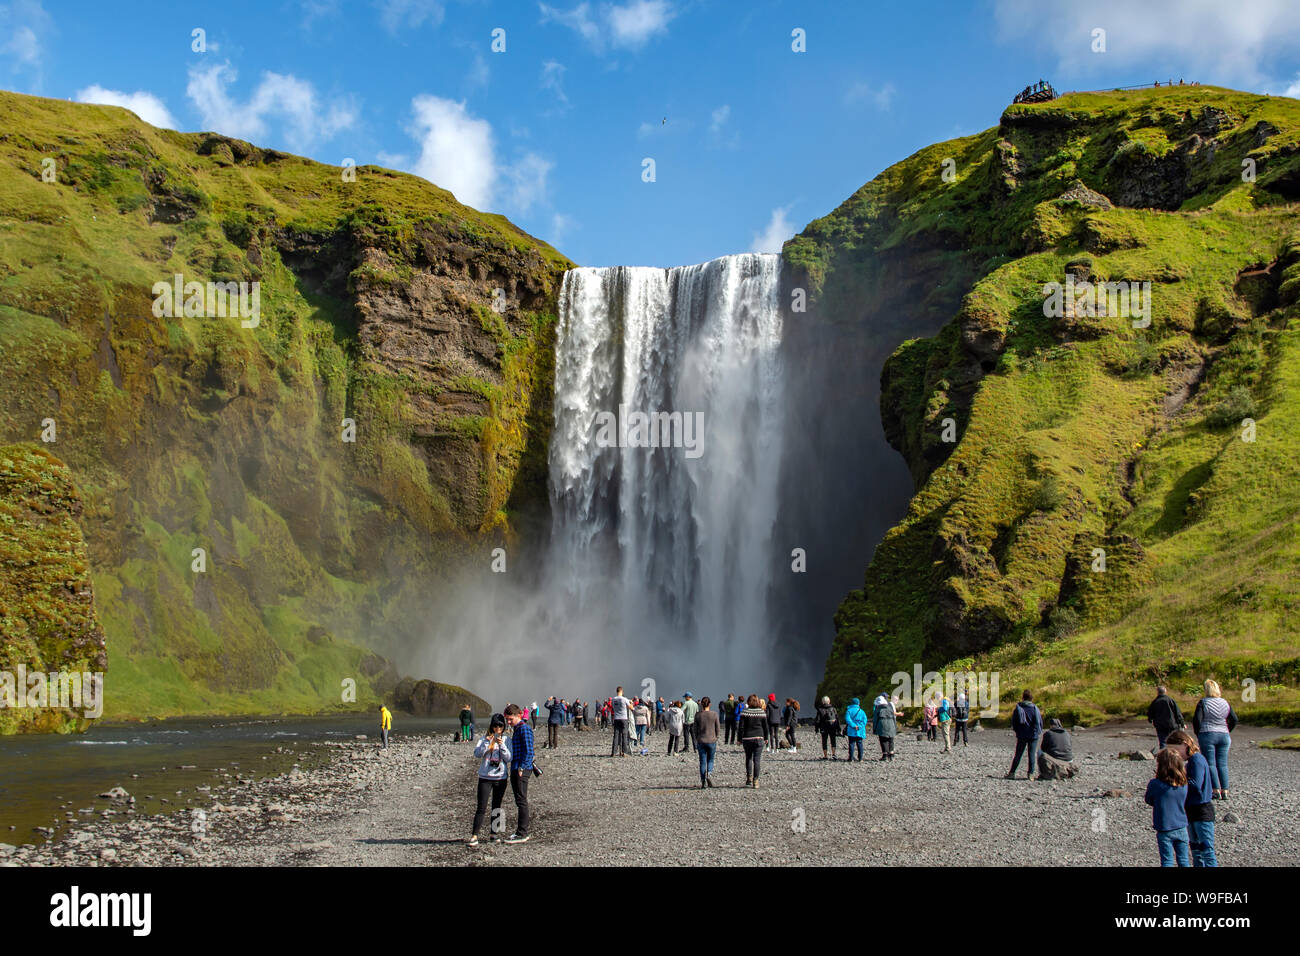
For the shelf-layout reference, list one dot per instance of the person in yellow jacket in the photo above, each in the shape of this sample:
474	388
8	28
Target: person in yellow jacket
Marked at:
385	723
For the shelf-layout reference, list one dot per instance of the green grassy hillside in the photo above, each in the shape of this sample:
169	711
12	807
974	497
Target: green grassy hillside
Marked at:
1080	432
379	304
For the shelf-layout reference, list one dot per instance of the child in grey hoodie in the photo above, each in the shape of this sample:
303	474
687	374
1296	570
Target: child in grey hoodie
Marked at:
493	751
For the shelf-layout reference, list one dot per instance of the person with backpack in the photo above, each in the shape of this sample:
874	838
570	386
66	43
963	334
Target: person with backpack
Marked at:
1199	806
466	719
730	710
960	718
773	723
855	722
884	724
706	740
1167	795
493	751
828	725
944	717
1163	714
521	769
1214	721
1027	722
790	717
751	729
689	709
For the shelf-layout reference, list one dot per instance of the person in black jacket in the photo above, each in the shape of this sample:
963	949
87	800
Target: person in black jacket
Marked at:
828	725
1164	715
773	723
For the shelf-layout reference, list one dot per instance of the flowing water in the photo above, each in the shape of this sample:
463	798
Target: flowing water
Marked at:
41	773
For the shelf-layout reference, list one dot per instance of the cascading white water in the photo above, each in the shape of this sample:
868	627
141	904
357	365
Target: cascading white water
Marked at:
662	559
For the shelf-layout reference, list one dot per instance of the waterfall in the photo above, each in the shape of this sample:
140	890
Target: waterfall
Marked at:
662	558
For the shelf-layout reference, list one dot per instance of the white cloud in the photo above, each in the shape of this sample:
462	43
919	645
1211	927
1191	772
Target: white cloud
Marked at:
553	80
305	119
398	15
1294	89
24	25
633	24
142	103
1213	41
527	181
777	232
560	225
720	117
628	26
478	74
458	152
860	92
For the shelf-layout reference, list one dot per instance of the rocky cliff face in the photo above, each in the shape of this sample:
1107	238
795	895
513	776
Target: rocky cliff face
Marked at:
1080	485
267	508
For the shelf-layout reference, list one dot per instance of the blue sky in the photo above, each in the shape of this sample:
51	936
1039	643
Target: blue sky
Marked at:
552	132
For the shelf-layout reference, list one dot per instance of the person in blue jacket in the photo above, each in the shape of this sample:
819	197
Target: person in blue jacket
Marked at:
1027	722
855	720
1167	795
1200	796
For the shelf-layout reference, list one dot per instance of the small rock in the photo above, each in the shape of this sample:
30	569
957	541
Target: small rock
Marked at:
1115	792
108	853
1231	817
117	793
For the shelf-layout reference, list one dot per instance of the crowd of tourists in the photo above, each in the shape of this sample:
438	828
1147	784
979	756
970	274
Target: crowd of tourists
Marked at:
1191	769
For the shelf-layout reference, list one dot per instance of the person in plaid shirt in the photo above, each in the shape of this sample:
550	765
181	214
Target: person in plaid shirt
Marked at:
521	770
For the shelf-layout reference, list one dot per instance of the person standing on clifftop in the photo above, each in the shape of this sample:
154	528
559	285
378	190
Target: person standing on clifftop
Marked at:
385	724
521	770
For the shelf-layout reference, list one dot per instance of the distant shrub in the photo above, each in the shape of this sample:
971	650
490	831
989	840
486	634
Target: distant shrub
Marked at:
1049	495
1062	622
1142	358
1238	405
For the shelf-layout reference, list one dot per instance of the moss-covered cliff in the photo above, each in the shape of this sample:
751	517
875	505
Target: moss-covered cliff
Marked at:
1040	444
47	603
389	314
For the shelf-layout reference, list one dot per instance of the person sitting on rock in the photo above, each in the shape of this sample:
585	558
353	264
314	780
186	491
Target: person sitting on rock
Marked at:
1056	756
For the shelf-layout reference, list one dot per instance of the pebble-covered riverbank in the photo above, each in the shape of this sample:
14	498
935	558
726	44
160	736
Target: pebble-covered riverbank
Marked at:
412	804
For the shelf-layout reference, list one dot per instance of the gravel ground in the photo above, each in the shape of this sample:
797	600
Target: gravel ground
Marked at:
354	804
